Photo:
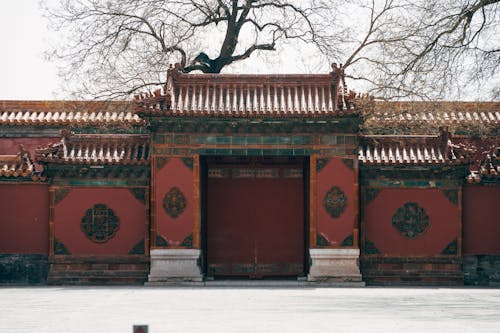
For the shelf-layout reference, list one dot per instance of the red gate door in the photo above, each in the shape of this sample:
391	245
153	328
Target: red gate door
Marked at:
255	221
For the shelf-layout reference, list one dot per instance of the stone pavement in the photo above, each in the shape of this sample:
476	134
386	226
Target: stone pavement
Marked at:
256	309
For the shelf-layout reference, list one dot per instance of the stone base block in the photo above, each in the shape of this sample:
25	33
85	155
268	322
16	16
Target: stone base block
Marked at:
171	266
334	265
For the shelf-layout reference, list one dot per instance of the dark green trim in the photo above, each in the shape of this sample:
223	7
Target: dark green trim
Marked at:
429	176
60	248
370	194
272	125
412	183
321	240
161	161
348	241
370	248
161	242
138	248
321	163
101	182
98	175
109	128
20	180
348	162
188	241
139	193
451	248
60	194
451	195
188	162
292	151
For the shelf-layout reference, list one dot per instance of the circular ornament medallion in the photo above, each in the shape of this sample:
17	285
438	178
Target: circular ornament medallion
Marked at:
174	202
100	223
335	201
411	220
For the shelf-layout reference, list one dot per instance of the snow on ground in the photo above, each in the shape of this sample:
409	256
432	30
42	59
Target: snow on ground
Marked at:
117	309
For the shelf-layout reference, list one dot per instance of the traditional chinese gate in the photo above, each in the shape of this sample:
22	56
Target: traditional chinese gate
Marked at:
255	218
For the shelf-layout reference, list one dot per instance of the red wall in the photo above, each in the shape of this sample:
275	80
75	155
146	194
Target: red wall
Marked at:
443	215
481	221
174	174
335	173
24	218
70	211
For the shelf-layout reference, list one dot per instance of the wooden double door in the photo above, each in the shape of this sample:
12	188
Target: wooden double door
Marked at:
255	221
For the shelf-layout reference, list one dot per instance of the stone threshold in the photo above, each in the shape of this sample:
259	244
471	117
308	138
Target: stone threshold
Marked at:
257	284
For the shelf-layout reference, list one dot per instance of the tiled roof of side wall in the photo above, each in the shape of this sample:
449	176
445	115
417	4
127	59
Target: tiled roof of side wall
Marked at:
60	113
18	166
409	150
97	149
426	117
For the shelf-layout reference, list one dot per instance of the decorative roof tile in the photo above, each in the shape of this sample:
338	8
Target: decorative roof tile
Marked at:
427	117
60	113
251	95
488	169
19	165
409	150
97	149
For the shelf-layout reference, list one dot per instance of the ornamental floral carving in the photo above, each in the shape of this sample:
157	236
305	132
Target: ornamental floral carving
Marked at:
174	202
411	220
335	201
100	223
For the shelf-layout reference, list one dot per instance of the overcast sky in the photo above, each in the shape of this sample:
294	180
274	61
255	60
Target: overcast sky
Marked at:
24	74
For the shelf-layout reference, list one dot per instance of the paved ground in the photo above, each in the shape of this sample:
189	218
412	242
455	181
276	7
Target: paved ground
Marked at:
100	309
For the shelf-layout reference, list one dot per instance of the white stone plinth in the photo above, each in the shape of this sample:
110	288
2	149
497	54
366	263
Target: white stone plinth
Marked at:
334	265
174	266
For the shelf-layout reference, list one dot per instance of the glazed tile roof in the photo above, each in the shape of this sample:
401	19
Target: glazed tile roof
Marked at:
59	113
427	117
19	165
409	150
97	149
250	95
489	169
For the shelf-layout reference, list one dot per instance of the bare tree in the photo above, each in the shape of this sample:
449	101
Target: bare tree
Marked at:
129	43
424	48
397	48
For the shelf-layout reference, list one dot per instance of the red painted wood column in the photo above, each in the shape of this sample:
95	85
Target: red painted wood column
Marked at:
51	220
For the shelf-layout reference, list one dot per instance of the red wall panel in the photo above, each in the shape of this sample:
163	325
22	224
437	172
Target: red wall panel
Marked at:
70	211
481	221
24	218
335	173
443	228
174	174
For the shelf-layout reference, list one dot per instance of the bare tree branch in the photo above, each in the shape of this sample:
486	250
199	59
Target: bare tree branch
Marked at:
391	48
